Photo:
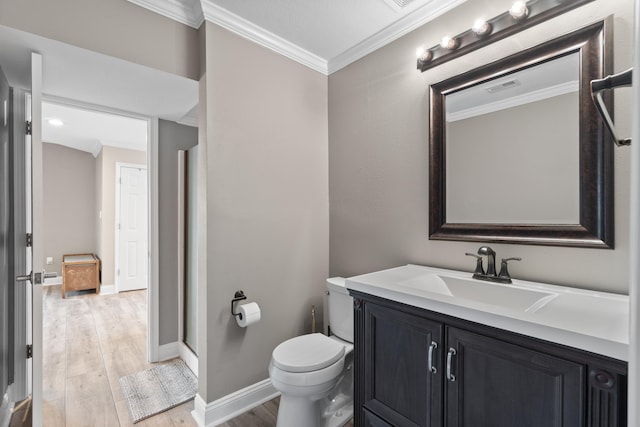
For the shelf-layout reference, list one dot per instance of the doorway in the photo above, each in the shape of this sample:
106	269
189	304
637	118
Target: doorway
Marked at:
124	87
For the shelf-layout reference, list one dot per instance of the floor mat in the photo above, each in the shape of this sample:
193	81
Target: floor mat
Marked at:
158	389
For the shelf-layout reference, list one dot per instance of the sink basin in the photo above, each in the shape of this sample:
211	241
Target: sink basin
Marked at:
496	294
597	322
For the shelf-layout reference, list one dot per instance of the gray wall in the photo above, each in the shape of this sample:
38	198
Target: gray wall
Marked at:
541	181
378	156
113	27
171	138
69	184
264	205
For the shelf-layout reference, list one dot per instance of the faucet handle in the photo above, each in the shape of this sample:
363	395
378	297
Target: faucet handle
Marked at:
504	272
479	267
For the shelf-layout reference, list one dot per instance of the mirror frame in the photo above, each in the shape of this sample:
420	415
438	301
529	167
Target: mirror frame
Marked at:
595	149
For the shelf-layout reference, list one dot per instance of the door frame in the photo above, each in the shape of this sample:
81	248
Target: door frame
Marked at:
153	299
184	351
118	187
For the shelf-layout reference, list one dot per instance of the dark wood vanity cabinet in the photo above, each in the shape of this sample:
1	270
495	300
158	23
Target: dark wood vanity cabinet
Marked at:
419	368
401	387
499	384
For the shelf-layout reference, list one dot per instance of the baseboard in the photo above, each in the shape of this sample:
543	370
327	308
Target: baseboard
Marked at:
169	351
6	409
230	406
189	358
107	289
50	281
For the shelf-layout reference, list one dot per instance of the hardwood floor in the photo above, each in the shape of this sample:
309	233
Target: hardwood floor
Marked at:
90	341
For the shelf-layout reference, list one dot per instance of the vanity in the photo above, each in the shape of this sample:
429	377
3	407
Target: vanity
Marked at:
436	347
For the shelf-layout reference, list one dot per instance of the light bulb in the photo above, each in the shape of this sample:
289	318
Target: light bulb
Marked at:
481	27
519	10
449	42
423	54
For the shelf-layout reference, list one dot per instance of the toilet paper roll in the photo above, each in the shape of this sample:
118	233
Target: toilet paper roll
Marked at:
249	314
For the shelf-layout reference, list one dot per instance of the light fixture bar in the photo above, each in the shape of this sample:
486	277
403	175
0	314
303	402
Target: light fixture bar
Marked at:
497	28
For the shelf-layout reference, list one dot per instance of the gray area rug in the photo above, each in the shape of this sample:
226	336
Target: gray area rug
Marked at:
158	389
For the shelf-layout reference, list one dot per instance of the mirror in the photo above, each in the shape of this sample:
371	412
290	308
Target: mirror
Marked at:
517	151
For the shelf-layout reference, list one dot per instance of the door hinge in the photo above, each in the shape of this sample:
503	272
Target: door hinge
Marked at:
118	272
27	128
29	240
29	351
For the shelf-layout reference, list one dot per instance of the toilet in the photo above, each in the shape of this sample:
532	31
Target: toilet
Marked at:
314	373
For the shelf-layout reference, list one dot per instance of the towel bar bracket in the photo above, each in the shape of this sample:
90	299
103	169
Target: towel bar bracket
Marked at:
610	82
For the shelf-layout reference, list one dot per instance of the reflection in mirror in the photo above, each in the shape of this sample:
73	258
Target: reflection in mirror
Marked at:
517	152
495	139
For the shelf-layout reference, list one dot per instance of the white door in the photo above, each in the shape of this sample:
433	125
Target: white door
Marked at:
133	254
34	226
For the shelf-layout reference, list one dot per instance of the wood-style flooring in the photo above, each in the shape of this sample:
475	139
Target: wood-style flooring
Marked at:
90	341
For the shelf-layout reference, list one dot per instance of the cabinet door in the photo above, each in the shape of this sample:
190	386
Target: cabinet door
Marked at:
371	420
402	367
491	383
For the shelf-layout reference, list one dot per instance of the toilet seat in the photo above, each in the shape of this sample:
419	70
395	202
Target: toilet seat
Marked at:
307	353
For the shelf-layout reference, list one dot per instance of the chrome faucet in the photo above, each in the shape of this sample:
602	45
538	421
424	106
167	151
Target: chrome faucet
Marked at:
490	275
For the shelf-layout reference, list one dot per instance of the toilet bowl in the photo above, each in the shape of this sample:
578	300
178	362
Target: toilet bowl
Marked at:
314	373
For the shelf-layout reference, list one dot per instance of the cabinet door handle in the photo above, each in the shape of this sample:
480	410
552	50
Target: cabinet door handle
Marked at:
432	347
450	354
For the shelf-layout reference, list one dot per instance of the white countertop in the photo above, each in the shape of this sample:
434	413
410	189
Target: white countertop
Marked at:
593	321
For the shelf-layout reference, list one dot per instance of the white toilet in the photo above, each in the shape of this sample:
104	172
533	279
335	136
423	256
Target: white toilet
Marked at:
314	373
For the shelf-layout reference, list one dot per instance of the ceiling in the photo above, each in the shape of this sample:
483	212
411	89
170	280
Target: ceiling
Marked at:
89	130
325	35
548	79
82	87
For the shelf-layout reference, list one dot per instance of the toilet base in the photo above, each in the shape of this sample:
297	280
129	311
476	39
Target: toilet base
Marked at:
298	412
331	408
301	412
337	412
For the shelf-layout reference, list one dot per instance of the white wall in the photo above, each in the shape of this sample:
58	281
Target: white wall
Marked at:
378	155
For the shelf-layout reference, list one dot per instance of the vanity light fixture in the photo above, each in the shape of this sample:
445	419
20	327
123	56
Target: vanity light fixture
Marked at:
481	27
519	10
520	16
449	43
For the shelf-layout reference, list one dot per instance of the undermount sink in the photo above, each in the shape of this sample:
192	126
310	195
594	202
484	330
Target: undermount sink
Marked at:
507	296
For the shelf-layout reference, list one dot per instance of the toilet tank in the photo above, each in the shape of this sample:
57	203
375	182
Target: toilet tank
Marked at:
340	309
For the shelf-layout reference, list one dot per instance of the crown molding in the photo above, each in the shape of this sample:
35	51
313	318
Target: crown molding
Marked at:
405	25
514	101
236	24
194	12
188	12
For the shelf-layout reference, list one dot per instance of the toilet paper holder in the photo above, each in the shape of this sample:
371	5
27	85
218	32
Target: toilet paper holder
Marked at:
239	296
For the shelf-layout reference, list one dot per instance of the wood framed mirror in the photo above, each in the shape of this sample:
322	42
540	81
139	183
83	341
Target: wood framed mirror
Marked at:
517	151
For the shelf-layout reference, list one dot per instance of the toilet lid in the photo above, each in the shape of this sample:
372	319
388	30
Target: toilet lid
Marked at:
307	353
